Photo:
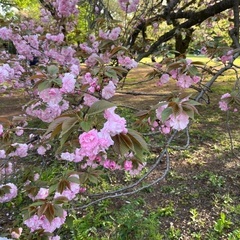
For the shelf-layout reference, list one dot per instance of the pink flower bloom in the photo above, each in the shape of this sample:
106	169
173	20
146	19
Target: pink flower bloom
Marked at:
223	106
41	150
184	81
128	165
21	150
42	194
1	129
36	176
226	95
166	127
70	193
2	154
159	111
68	156
174	73
109	90
90	144
196	79
9	196
227	58
204	50
137	170
75	69
127	62
115	124
54	238
128	5
19	131
109	164
55	38
5	33
35	223
16	233
89	100
51	95
179	122
113	35
68	83
7	170
66	8
164	79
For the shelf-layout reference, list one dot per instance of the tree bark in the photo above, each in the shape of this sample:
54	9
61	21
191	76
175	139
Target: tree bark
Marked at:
193	18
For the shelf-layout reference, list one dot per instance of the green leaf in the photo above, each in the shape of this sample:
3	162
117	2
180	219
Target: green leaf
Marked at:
166	113
44	85
139	144
99	107
52	69
138	137
194	103
68	124
69	221
86	126
193	71
58	211
38	203
111	73
73	179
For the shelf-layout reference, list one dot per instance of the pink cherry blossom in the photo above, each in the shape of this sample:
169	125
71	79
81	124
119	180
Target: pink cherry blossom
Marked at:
179	122
68	83
59	38
227	58
16	233
226	95
41	150
127	62
51	95
115	124
128	165
2	154
21	150
36	222
164	79
54	238
113	35
68	156
19	131
89	100
71	193
223	106
90	144
160	109
1	129
9	196
7	170
128	5
109	90
42	194
109	164
66	8
184	81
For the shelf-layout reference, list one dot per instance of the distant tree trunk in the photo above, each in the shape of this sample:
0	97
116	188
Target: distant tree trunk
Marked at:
182	44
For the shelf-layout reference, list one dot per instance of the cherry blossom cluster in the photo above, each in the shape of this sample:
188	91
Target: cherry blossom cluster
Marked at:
36	222
10	190
56	78
229	102
129	5
184	79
